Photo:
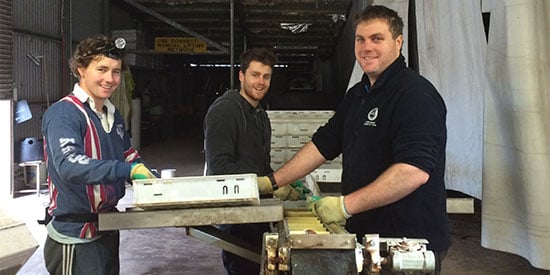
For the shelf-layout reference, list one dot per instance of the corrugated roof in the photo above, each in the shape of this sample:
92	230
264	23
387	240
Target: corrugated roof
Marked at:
297	30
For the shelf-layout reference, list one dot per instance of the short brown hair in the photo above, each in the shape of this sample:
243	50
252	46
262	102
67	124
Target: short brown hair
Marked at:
380	12
262	55
91	48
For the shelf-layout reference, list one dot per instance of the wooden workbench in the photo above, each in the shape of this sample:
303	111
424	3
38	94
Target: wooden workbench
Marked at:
269	210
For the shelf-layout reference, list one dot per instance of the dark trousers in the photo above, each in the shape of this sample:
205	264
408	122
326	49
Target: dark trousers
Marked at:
100	257
252	234
439	256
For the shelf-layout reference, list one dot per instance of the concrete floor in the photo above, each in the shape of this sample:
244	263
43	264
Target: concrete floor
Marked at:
171	251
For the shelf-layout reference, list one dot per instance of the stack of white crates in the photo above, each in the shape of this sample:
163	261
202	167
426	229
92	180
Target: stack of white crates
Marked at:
291	130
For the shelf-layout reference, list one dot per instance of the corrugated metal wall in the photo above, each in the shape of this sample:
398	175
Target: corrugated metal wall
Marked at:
37	17
6	55
37	59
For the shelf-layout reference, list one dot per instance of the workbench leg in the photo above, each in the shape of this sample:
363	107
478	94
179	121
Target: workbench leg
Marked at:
37	177
225	241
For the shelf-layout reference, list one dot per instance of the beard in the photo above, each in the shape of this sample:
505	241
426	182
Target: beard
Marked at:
254	94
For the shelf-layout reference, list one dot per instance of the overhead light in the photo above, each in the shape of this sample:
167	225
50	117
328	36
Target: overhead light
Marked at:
295	27
337	17
283	48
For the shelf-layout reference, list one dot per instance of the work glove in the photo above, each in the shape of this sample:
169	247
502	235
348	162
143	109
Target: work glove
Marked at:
139	171
330	210
302	190
287	193
264	185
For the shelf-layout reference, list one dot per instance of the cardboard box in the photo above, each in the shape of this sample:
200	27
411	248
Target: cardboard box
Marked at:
18	244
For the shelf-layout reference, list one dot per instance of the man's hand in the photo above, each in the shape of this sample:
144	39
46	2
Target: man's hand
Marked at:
287	193
330	210
139	171
264	185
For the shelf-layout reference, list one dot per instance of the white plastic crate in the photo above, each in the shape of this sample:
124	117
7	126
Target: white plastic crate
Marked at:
278	128
278	141
296	127
180	192
278	154
286	114
276	164
331	165
297	141
291	130
327	175
303	127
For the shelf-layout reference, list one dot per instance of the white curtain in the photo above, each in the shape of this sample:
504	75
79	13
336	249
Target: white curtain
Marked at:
451	50
516	166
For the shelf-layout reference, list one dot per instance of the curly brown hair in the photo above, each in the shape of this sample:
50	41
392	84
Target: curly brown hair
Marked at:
94	48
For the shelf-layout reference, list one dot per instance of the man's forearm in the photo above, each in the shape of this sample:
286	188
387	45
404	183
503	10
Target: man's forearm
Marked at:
300	165
395	183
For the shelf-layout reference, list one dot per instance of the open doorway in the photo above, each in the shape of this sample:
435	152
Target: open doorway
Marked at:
6	158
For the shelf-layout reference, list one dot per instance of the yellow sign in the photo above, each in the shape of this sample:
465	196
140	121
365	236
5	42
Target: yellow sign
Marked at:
179	45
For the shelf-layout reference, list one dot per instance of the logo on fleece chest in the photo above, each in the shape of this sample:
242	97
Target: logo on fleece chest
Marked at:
371	118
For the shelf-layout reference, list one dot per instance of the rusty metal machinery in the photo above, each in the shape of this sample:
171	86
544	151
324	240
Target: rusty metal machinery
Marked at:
300	244
402	256
297	244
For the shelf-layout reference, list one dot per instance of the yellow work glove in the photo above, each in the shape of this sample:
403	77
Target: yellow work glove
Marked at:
330	210
287	193
139	171
264	185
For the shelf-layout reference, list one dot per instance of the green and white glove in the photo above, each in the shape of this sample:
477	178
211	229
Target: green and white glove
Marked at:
139	171
330	210
302	190
287	193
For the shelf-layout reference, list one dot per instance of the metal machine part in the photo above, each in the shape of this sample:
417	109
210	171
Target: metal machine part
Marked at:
403	256
300	244
309	254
